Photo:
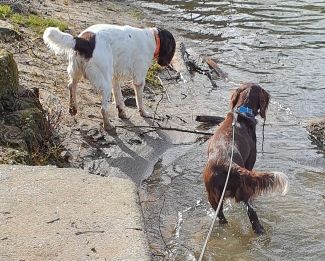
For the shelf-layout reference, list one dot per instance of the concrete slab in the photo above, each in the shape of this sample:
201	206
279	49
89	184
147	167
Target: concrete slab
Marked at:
47	213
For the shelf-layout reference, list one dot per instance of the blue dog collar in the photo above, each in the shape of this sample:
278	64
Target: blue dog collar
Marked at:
246	111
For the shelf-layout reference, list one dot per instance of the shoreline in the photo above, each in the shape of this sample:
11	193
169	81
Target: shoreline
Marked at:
127	156
130	155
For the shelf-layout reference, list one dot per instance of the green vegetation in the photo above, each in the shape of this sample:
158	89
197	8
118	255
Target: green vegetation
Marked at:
152	75
5	11
138	15
37	23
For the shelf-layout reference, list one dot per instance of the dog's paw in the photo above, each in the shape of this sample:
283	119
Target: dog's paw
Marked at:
122	114
110	129
258	229
144	114
73	111
223	221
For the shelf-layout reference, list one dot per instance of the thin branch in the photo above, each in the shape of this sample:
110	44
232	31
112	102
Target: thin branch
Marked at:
89	231
181	119
164	88
22	51
163	239
52	221
165	128
161	98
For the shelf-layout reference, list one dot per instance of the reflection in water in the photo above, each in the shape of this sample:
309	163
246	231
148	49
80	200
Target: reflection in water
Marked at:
281	45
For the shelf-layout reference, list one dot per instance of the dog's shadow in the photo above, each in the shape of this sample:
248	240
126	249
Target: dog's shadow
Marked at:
133	164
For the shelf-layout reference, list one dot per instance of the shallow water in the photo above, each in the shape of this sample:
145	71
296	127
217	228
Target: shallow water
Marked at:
281	45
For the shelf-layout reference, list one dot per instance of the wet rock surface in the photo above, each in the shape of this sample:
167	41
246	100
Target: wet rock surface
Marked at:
316	129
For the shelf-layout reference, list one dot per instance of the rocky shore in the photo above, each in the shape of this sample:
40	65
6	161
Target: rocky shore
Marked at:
80	141
36	129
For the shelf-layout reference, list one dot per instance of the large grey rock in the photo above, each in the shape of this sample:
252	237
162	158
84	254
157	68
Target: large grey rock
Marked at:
48	213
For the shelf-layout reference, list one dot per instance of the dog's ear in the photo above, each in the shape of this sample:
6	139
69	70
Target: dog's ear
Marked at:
167	47
264	99
234	98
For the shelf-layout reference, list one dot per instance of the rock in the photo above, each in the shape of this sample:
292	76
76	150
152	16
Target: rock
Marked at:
66	155
8	74
11	136
130	102
23	125
8	32
13	156
316	129
135	141
22	100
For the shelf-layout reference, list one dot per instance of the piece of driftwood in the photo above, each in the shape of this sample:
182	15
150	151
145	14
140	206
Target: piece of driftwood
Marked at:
194	66
209	119
155	128
185	56
214	66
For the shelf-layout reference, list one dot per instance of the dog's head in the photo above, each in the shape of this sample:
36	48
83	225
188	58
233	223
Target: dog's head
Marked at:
253	96
167	47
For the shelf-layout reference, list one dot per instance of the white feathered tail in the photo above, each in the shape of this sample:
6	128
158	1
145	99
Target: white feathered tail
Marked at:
57	41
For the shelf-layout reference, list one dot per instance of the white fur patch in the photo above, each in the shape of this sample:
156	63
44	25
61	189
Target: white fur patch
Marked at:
281	181
59	42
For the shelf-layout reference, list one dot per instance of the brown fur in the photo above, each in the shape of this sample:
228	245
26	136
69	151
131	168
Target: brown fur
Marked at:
243	183
85	44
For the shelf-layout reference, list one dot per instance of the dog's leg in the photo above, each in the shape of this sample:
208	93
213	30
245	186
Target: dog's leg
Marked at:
104	85
221	216
106	95
257	227
138	94
117	95
214	201
74	76
73	97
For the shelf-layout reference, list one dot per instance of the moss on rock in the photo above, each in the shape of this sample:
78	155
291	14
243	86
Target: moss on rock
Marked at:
8	74
25	133
14	156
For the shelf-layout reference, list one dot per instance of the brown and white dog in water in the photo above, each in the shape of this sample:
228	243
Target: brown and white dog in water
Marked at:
248	101
109	55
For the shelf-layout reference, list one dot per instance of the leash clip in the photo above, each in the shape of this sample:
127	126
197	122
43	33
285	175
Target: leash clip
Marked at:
235	119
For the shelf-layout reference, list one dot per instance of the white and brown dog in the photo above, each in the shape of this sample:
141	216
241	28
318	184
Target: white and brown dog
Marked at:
107	55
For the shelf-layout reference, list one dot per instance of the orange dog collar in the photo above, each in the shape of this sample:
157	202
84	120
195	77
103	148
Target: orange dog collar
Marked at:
157	39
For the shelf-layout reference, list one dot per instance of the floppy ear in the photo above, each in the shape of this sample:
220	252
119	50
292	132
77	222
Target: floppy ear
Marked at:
234	98
167	47
264	99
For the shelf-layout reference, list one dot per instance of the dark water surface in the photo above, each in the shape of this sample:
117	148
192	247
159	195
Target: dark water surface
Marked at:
281	45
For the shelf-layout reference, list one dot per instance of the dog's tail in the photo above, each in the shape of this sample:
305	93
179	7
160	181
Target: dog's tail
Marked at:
254	183
57	41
